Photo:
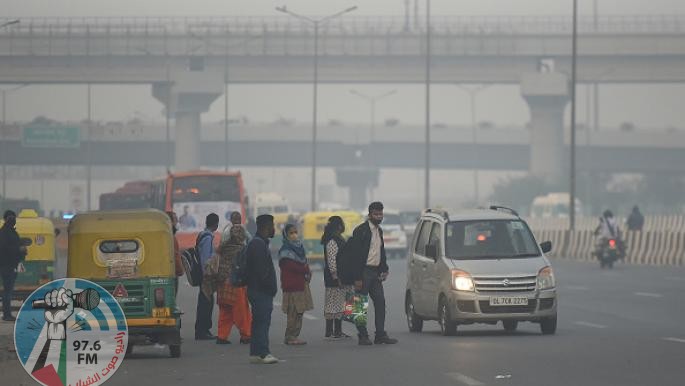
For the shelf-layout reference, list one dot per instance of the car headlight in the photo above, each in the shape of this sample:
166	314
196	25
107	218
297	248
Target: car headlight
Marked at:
546	279
462	281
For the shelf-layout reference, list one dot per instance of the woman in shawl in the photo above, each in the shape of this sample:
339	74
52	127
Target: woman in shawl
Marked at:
232	301
336	293
295	278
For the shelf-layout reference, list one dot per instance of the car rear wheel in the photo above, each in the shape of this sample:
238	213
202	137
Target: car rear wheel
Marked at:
548	326
447	326
510	325
414	322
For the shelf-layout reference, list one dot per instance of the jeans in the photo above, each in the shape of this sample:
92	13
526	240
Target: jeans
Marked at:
373	287
203	315
262	306
9	276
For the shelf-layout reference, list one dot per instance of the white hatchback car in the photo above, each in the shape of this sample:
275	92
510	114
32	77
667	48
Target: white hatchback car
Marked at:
394	236
481	266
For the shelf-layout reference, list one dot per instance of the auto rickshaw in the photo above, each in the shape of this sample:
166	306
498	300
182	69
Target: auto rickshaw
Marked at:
313	224
130	253
38	236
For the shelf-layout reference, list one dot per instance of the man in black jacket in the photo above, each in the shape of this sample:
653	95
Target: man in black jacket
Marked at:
261	289
366	267
11	253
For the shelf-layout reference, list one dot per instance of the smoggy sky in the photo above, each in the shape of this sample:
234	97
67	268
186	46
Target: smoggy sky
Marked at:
499	104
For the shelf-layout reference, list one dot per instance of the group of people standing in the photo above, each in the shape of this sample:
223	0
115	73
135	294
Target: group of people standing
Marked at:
249	308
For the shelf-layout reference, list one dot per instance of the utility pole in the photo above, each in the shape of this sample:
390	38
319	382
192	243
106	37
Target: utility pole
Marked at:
428	120
572	188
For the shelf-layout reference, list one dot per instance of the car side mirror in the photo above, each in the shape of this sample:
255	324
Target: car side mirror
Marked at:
57	232
546	246
432	251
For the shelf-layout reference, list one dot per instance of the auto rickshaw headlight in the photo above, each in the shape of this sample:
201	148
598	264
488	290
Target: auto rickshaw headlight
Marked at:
160	300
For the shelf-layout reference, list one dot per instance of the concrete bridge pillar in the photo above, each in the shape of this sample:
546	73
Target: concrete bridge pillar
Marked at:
186	96
547	95
359	180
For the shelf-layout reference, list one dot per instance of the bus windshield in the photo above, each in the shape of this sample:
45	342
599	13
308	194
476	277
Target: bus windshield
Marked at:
206	189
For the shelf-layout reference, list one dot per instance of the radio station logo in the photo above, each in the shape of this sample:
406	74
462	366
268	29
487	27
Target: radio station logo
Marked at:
71	332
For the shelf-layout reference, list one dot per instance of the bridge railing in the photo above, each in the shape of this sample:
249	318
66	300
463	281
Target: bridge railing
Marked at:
350	25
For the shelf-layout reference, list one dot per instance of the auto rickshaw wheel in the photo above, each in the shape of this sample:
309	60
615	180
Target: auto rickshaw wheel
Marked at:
175	350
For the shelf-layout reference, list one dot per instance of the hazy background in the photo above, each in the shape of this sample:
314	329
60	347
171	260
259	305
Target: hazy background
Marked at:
501	105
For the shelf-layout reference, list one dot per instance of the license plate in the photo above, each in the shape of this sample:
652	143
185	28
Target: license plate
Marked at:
161	312
508	301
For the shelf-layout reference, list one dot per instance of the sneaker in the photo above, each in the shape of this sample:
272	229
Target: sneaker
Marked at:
365	341
222	341
255	359
205	337
269	359
295	342
9	318
384	339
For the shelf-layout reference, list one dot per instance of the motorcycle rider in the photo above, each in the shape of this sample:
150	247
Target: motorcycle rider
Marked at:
606	230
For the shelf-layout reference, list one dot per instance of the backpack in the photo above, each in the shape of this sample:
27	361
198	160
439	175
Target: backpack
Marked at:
239	269
192	263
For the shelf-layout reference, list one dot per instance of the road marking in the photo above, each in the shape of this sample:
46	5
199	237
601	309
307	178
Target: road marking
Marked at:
310	317
588	324
649	294
466	380
677	340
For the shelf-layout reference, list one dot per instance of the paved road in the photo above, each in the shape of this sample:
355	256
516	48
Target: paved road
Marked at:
619	327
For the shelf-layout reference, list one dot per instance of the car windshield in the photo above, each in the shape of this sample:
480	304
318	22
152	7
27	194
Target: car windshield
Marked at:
410	218
489	239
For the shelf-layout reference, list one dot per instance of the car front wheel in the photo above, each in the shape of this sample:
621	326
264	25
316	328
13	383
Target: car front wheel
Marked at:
548	326
414	322
447	326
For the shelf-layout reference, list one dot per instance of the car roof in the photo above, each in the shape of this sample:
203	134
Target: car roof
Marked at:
471	215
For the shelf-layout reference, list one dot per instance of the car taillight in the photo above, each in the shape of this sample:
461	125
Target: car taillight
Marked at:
612	243
159	297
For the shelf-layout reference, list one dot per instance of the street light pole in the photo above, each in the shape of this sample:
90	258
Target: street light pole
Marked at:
88	160
3	139
428	89
316	23
473	93
572	188
372	111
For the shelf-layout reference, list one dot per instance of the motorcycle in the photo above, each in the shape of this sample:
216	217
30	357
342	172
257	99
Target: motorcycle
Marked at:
609	251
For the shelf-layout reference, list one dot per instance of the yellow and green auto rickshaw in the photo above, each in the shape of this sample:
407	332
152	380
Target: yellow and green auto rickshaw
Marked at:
313	224
38	236
130	253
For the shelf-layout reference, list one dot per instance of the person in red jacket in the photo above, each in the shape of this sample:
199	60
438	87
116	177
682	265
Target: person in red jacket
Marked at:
295	278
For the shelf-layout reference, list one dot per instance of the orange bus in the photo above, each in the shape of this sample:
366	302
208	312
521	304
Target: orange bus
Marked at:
193	195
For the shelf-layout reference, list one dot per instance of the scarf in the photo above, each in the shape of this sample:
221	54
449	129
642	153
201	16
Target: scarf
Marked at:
293	250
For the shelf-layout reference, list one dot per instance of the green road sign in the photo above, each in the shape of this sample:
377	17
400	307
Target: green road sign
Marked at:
51	136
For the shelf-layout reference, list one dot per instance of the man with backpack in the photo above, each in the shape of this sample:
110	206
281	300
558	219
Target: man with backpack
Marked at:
261	289
205	306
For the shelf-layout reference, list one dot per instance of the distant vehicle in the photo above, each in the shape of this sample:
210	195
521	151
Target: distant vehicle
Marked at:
192	195
313	224
409	220
394	236
553	205
18	204
481	266
277	206
133	195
